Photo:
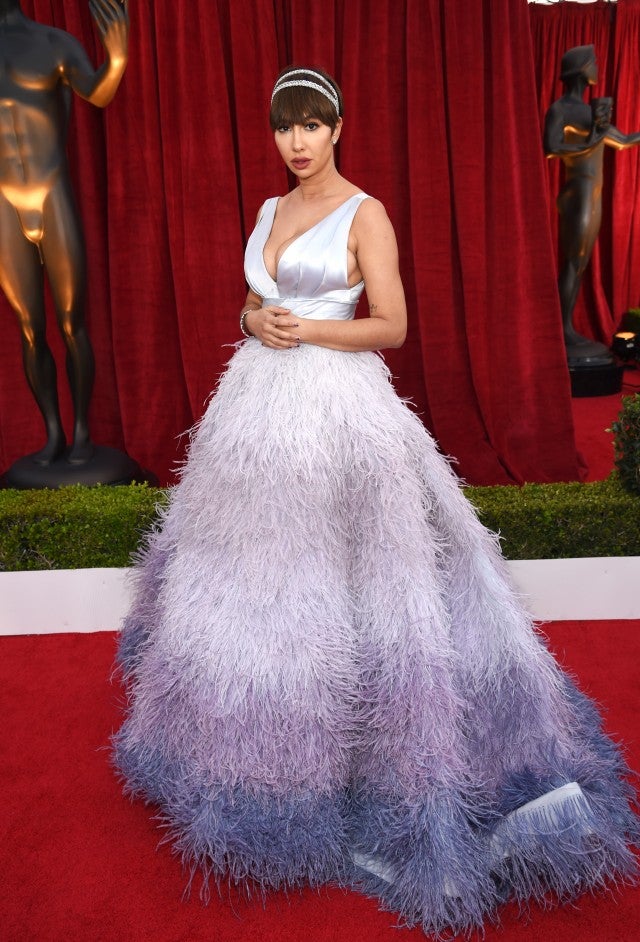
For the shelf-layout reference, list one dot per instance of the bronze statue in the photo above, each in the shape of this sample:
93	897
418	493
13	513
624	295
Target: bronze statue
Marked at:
578	133
39	226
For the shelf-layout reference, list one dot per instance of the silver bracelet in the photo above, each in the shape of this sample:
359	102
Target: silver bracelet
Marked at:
243	316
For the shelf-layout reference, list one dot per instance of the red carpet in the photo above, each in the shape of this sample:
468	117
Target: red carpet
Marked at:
592	416
80	863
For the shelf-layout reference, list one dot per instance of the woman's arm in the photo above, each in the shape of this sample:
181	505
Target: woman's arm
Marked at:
373	242
376	251
273	326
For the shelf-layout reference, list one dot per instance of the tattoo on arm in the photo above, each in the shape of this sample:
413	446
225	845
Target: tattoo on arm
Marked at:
373	308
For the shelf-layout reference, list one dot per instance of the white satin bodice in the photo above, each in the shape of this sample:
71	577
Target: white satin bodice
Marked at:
312	277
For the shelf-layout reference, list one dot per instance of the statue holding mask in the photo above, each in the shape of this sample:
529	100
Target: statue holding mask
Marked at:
40	231
577	133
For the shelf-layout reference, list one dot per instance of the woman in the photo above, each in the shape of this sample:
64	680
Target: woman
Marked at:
330	678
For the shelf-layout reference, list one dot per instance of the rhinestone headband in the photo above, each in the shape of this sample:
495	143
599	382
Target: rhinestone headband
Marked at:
324	88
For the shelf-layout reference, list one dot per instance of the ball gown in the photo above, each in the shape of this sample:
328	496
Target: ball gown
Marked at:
330	678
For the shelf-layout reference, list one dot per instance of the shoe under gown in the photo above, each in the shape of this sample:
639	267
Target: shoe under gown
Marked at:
330	678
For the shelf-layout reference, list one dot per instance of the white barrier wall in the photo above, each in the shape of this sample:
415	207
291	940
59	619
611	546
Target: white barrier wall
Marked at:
58	600
96	599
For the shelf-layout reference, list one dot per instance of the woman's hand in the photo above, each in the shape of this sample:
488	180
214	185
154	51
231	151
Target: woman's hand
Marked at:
273	326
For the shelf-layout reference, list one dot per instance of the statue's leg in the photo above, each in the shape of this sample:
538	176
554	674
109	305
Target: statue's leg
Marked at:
64	259
580	211
569	282
22	281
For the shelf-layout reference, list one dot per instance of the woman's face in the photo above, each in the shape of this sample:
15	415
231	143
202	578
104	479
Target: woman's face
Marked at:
306	148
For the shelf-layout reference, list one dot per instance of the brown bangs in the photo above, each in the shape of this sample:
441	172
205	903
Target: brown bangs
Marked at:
295	105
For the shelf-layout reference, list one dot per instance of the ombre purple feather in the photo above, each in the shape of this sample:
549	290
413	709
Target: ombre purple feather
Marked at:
330	678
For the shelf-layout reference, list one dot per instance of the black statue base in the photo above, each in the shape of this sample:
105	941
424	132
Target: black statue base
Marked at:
603	379
586	363
592	367
583	352
106	466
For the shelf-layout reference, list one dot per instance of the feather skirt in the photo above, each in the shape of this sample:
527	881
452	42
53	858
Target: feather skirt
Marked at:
330	678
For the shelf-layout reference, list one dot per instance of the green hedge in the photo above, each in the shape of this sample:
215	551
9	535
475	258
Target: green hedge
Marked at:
79	527
74	527
626	443
562	521
631	320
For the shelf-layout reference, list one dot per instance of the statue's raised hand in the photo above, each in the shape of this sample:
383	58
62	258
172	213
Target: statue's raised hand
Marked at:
112	21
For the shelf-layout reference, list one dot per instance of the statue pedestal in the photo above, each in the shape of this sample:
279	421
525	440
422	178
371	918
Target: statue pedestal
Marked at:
603	379
106	466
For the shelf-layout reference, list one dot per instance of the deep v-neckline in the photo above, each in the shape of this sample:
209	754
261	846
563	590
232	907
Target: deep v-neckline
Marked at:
298	237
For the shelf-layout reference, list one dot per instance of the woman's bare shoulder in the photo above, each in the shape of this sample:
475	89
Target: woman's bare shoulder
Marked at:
371	215
372	207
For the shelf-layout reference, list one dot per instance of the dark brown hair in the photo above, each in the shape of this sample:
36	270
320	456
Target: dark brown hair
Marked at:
297	104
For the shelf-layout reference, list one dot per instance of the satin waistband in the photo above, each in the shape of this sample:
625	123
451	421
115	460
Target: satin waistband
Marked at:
316	308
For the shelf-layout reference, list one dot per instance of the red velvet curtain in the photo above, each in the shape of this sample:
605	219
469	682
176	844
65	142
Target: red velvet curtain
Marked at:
440	125
625	281
612	282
